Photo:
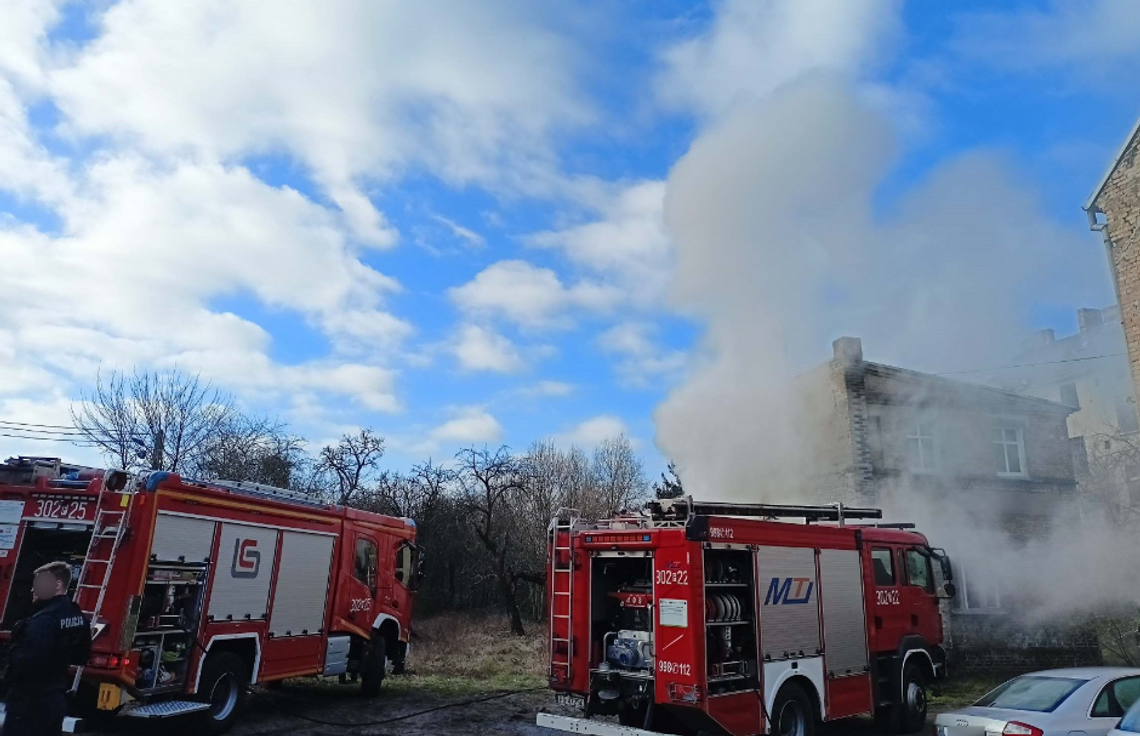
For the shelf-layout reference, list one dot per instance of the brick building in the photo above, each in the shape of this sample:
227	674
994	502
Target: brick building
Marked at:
896	438
1114	210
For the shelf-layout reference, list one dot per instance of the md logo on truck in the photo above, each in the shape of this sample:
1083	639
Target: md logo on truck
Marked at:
780	591
247	560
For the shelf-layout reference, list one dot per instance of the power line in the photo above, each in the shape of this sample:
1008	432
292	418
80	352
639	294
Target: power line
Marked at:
49	439
32	424
1031	365
72	431
63	432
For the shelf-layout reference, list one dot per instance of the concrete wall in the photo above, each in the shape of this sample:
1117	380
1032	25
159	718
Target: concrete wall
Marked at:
826	424
995	643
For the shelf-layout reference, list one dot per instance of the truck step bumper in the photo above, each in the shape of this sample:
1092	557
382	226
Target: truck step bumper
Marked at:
165	709
70	725
587	726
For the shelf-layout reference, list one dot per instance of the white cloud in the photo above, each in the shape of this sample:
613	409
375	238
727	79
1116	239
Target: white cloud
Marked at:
640	359
23	25
528	295
627	245
145	251
482	349
461	232
1098	39
356	90
546	389
592	432
755	46
472	424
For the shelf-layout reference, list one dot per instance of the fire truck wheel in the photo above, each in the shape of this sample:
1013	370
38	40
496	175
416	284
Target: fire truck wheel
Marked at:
914	699
223	685
792	714
373	667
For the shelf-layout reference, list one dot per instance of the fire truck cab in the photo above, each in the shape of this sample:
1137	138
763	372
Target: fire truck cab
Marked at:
196	590
727	617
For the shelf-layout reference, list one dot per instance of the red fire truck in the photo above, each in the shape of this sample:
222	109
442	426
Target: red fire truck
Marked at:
728	617
196	590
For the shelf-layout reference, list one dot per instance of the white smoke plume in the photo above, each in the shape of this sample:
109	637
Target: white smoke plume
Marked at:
789	232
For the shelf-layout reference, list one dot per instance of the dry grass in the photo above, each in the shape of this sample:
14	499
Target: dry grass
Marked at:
458	654
959	692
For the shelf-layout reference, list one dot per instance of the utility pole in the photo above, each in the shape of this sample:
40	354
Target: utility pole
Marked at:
158	450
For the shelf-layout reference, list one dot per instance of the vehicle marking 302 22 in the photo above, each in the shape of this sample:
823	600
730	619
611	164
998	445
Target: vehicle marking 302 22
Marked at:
887	597
672	577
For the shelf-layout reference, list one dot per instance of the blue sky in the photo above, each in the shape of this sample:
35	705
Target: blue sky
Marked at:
468	222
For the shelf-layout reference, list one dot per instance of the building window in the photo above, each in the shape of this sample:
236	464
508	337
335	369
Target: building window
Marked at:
1009	450
883	563
975	591
1126	416
1069	395
922	447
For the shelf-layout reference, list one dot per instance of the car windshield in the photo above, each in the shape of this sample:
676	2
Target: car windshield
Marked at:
1131	720
1032	692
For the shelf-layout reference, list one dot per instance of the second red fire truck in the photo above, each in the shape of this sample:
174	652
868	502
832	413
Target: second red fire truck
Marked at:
196	590
726	617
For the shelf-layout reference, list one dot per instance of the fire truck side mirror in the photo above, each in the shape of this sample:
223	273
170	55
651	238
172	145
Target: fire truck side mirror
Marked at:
949	590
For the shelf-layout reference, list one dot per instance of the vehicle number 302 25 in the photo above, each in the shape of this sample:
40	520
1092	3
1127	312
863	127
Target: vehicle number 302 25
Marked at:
359	604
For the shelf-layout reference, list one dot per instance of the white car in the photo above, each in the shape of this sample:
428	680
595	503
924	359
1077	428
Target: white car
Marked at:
1084	701
1130	724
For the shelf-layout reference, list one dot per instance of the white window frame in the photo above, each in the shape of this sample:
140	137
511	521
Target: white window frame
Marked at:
936	452
1017	425
962	599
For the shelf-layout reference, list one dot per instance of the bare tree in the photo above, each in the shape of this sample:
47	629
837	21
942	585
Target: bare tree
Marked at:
491	484
352	463
169	415
618	474
253	449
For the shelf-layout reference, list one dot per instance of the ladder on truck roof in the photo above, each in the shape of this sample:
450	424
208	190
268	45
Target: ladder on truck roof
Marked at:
561	598
261	490
683	508
110	525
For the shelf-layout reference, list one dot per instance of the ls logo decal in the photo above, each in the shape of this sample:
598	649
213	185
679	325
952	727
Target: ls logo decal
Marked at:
247	560
780	591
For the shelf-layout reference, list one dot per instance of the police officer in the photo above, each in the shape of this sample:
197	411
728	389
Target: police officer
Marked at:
43	646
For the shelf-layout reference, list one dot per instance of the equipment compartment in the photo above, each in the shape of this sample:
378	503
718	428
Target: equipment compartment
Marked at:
730	621
168	623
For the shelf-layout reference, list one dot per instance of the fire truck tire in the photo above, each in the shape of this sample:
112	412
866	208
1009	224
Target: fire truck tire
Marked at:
223	685
792	713
913	711
373	667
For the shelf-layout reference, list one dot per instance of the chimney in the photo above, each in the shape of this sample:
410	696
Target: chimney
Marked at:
1038	339
848	350
1089	320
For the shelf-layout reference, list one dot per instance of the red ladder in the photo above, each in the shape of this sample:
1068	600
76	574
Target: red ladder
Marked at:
91	586
561	595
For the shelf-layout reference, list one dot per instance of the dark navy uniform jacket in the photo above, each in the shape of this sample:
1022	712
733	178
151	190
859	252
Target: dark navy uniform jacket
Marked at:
56	636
